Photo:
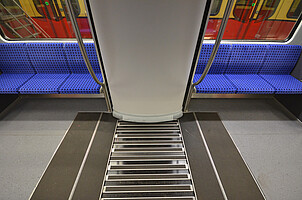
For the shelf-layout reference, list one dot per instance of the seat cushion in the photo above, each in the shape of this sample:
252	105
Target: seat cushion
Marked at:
214	83
250	84
284	84
44	84
80	84
10	83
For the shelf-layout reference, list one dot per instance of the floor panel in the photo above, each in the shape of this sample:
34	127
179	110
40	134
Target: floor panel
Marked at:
269	138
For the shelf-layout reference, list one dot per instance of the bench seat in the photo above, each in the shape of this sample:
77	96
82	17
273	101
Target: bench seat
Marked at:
44	84
52	68
250	84
214	83
284	84
80	84
11	83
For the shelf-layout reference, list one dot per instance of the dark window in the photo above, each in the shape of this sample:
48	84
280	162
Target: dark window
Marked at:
39	6
75	5
252	20
268	8
295	9
9	6
216	7
9	2
243	9
244	3
271	3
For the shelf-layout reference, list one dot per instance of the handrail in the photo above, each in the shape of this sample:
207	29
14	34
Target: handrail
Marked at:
222	27
84	53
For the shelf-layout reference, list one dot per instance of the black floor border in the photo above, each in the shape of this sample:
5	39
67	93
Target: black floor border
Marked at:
60	175
90	183
236	178
204	178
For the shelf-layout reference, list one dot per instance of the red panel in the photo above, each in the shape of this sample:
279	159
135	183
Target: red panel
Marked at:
265	30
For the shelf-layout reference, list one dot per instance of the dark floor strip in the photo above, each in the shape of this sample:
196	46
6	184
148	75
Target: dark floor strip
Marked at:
233	172
91	179
204	178
59	177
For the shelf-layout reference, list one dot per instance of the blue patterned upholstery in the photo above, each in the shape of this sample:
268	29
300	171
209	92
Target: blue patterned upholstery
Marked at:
39	68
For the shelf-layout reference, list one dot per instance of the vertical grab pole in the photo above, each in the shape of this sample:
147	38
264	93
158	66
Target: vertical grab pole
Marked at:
222	27
85	56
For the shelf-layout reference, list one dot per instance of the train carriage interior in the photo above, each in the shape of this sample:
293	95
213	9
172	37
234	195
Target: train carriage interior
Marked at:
151	100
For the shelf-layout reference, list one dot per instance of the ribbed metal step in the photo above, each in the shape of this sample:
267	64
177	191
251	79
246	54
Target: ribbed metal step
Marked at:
148	161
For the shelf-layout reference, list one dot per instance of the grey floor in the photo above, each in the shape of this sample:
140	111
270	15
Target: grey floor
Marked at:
267	135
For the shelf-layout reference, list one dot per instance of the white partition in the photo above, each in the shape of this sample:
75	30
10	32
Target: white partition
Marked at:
147	47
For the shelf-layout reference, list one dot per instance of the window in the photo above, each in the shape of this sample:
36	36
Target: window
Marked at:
295	9
8	2
259	20
268	8
216	7
9	6
75	5
271	3
32	19
271	20
242	9
39	7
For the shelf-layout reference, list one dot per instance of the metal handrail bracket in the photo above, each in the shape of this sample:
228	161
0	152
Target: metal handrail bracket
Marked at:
84	54
222	27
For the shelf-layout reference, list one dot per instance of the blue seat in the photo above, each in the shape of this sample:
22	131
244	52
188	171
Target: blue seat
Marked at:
214	83
50	63
244	64
48	58
44	68
44	84
250	84
220	61
284	84
246	59
76	61
15	66
246	68
280	59
81	82
11	83
279	63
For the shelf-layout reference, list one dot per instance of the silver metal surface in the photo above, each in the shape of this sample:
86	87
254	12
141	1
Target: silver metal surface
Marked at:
85	56
148	161
222	27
